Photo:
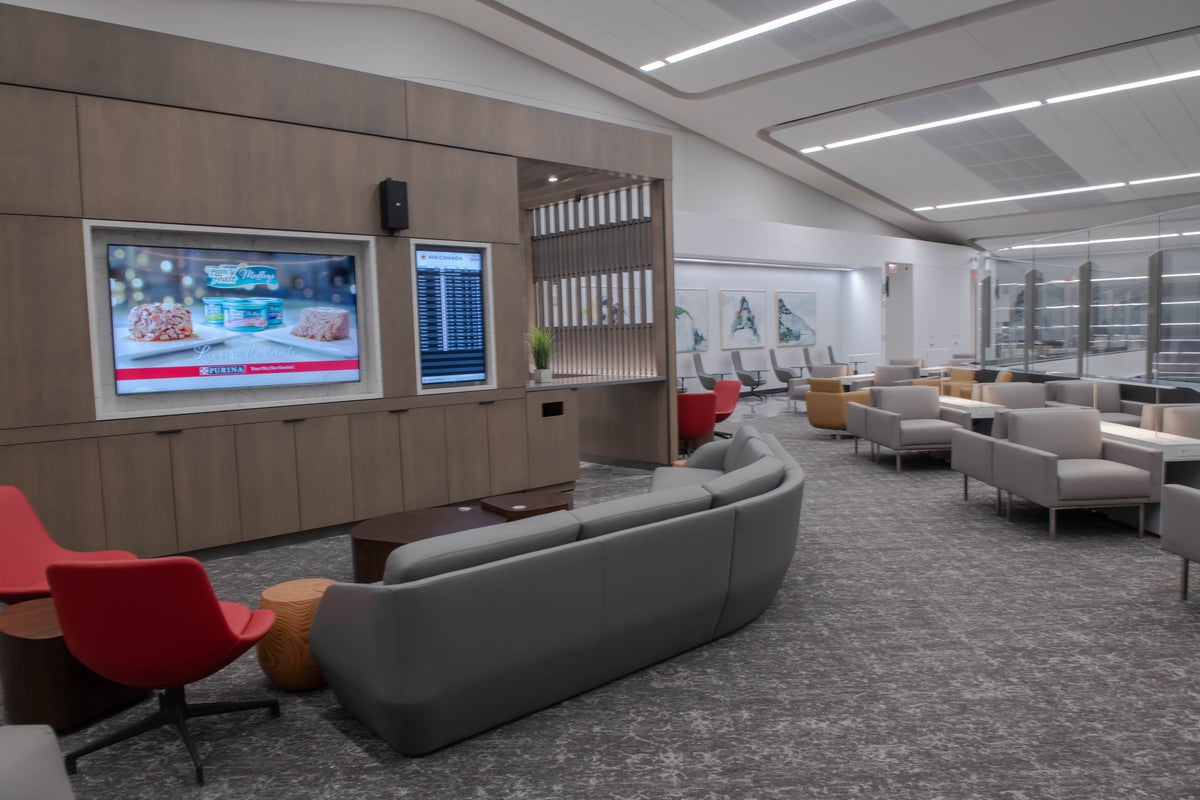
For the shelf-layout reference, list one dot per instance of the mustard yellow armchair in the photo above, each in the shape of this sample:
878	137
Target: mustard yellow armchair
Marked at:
827	401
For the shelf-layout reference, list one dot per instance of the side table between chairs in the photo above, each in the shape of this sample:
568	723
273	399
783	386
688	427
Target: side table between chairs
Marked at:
43	683
283	653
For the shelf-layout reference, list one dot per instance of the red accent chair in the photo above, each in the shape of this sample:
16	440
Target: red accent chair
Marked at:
727	393
26	549
154	624
697	416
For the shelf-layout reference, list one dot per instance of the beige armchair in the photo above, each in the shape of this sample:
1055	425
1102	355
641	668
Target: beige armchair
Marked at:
1011	396
1057	459
909	419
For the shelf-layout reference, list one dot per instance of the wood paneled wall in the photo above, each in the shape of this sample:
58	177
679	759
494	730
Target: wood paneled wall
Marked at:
100	121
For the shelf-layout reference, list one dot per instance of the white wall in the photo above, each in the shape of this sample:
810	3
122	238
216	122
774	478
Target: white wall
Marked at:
849	302
837	295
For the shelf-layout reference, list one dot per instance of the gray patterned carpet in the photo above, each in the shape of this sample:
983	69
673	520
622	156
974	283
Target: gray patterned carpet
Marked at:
921	647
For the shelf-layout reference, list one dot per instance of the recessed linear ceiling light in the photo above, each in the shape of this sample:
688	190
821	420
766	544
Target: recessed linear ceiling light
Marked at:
1116	185
1076	190
1007	110
935	124
1125	86
1093	241
757	30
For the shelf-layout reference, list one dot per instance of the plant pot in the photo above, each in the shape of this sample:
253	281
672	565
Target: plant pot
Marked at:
542	376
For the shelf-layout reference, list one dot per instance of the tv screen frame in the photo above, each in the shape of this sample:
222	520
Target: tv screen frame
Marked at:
287	375
453	316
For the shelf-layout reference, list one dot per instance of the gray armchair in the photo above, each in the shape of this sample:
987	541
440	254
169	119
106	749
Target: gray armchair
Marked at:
1011	396
895	374
1178	529
750	381
1104	396
1058	459
908	419
972	454
707	380
784	374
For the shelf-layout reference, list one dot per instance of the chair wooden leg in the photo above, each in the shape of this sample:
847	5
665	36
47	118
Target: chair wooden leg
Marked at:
1009	514
1183	578
856	444
1142	521
997	501
1053	522
897	461
964	486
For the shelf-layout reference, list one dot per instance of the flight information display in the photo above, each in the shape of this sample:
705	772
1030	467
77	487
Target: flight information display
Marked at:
451	324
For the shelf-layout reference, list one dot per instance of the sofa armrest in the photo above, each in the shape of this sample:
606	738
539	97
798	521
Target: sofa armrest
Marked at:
1177	526
883	427
856	419
971	454
1132	407
710	455
1136	455
1025	471
958	416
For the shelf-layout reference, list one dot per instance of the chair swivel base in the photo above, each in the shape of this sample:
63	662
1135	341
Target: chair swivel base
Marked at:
173	709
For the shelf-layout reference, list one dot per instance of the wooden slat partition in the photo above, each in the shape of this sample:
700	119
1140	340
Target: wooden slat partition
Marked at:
593	282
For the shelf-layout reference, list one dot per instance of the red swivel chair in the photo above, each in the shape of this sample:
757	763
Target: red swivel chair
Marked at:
154	624
697	416
26	549
727	394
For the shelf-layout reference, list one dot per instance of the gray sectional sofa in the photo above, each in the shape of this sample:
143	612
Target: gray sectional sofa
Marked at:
473	629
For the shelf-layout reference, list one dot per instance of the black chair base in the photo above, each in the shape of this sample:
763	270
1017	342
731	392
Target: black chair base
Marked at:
173	709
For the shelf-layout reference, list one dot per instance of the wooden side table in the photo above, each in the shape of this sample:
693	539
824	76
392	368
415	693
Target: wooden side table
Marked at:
283	653
527	504
43	683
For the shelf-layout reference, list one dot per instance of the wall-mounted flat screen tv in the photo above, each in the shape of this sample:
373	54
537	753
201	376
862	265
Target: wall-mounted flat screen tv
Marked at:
194	318
451	320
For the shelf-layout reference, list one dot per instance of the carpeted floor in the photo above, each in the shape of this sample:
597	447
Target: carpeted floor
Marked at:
921	647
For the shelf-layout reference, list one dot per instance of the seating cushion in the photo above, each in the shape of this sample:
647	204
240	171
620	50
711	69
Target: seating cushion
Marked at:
1181	420
643	509
926	431
455	551
752	451
1012	395
758	478
733	453
1097	479
673	477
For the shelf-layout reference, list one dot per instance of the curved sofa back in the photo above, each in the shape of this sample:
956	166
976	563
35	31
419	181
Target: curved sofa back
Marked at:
432	660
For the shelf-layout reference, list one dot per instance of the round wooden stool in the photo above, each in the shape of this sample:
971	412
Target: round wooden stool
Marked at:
283	653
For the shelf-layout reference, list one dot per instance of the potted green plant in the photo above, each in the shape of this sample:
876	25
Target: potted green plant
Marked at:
541	347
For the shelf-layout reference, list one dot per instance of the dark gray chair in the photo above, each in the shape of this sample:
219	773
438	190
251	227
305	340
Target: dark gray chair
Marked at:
832	357
750	381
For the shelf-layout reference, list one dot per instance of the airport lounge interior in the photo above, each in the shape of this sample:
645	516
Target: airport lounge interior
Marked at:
675	400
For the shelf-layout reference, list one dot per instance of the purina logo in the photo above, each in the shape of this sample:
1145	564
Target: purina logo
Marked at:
224	370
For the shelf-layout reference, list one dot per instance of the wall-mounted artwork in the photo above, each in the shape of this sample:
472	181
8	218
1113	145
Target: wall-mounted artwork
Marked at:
743	316
691	320
796	313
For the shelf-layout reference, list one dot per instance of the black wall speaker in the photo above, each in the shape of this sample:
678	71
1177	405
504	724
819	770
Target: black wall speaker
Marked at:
393	205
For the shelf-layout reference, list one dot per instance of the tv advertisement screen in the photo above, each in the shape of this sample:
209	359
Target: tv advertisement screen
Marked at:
192	318
451	327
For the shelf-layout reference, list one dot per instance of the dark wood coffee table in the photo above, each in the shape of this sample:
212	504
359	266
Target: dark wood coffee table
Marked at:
43	683
374	540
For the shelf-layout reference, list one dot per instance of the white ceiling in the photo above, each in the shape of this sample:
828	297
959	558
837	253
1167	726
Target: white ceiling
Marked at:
875	65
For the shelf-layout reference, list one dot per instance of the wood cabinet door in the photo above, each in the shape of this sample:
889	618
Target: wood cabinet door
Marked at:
468	467
204	475
552	428
323	471
139	505
508	447
423	454
268	497
376	465
61	480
